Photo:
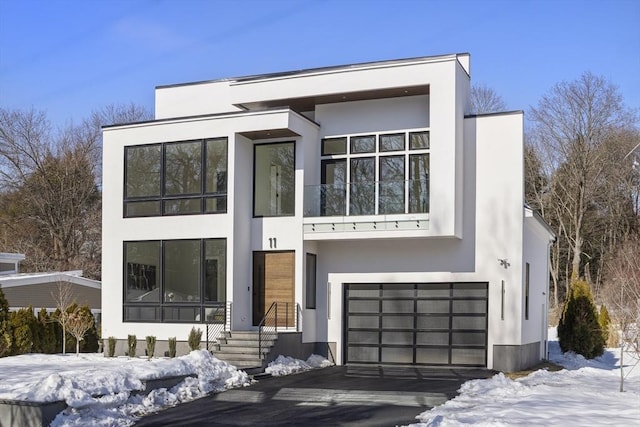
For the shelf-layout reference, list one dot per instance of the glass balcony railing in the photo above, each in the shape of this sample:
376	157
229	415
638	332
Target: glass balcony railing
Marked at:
367	198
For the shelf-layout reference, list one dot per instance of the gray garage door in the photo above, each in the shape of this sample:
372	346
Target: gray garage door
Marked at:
416	323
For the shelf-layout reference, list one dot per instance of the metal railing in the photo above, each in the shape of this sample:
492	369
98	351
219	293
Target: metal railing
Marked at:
367	198
218	320
283	315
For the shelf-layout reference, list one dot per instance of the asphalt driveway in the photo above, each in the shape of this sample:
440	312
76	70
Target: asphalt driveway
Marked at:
335	396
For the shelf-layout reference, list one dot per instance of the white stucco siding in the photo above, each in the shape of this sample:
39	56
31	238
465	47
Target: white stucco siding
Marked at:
499	219
380	115
357	78
536	252
194	100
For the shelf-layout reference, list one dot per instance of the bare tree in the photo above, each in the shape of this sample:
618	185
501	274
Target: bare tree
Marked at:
50	204
571	124
486	100
78	323
64	299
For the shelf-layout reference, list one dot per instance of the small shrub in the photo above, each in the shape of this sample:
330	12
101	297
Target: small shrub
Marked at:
172	347
132	341
151	346
195	336
605	323
111	351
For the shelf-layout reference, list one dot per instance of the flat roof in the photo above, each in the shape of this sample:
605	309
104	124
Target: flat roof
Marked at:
318	69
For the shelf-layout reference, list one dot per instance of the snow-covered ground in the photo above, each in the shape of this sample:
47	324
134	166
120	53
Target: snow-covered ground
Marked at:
586	393
77	379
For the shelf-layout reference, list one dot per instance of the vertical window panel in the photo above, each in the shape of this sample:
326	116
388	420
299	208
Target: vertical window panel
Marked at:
333	189
216	165
142	171
142	271
391	198
215	270
183	168
274	179
362	191
181	271
310	281
419	183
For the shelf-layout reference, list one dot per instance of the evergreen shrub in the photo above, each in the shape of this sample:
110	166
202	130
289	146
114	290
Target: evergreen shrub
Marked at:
578	329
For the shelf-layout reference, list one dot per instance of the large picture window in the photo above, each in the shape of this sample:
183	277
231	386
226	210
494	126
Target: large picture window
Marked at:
274	179
388	174
174	280
176	178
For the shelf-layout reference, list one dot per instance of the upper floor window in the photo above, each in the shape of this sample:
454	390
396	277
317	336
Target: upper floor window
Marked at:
274	179
176	178
373	175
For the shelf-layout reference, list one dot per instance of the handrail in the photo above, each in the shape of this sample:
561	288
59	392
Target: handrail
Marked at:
279	314
217	322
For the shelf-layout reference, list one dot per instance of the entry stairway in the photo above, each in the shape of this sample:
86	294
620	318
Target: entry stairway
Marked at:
243	349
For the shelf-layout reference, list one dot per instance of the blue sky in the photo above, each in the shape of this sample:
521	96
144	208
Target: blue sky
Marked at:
71	57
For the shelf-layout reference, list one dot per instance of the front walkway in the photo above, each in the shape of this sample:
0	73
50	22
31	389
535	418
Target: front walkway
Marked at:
336	396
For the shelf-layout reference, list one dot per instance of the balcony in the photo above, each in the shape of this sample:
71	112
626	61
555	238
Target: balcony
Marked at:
379	209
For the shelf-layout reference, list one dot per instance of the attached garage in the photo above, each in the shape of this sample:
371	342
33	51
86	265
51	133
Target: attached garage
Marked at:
431	324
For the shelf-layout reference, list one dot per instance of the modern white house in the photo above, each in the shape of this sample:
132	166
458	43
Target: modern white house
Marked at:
362	205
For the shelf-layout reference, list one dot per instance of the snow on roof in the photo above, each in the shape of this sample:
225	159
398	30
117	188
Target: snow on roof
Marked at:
23	279
4	256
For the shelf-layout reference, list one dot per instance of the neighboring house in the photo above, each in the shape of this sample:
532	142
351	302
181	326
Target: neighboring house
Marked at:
363	199
10	263
38	289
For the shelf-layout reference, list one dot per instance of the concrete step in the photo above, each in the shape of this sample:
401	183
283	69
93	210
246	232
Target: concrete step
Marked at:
244	364
246	342
237	356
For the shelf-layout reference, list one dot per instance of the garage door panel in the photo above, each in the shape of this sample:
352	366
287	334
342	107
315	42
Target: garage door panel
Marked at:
468	338
468	356
398	322
372	322
397	306
432	356
433	322
362	354
397	355
469	322
406	291
364	306
423	323
397	337
470	290
364	337
434	306
470	306
433	290
432	338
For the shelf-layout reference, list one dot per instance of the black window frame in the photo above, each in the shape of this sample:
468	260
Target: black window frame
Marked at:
253	195
311	285
199	198
162	305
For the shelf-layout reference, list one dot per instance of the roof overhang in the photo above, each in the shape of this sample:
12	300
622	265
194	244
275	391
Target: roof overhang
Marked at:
532	213
25	279
309	103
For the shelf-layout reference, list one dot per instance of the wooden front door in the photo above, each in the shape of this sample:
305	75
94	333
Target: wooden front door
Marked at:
273	281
